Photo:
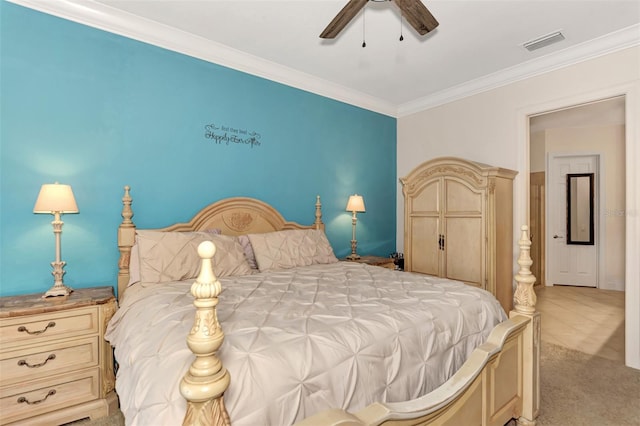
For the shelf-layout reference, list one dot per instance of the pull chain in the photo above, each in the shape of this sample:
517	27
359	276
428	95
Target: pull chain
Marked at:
401	36
364	44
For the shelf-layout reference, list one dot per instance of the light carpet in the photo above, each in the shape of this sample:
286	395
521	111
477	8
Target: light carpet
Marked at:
579	389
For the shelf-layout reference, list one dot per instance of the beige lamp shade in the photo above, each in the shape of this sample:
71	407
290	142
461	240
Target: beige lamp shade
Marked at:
55	197
355	203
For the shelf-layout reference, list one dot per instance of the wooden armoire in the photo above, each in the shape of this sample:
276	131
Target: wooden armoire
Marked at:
458	224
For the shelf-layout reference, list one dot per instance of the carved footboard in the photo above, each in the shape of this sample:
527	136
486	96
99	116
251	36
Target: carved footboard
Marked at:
498	382
487	390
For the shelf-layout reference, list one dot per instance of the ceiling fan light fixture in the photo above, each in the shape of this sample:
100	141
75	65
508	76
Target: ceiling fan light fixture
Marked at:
543	41
414	11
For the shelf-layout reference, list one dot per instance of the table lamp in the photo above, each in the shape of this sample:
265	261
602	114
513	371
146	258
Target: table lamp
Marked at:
56	199
355	204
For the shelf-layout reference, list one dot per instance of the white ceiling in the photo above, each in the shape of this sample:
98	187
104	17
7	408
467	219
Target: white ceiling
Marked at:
477	46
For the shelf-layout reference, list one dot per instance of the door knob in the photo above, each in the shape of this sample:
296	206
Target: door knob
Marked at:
557	236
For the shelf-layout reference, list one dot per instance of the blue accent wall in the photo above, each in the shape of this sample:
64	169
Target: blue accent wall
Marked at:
99	111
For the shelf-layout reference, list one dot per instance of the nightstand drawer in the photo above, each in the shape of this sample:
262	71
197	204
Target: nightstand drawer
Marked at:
47	326
25	400
43	361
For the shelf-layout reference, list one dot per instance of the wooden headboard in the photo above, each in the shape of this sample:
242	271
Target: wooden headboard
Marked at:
234	216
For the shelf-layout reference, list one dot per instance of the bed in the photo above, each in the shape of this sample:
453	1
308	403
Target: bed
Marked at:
308	339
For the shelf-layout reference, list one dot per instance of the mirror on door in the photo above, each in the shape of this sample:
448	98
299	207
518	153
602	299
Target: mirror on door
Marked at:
580	208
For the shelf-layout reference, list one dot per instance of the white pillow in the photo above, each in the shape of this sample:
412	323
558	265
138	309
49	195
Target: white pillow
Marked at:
291	248
173	256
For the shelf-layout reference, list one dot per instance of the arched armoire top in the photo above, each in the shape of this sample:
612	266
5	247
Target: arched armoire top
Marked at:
471	171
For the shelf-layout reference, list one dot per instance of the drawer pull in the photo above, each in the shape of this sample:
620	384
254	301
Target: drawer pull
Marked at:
23	399
49	358
22	328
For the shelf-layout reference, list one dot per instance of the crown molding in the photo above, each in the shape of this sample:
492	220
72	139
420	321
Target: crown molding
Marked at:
609	43
103	17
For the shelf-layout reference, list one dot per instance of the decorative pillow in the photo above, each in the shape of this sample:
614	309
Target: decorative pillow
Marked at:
134	259
291	248
173	256
229	258
248	251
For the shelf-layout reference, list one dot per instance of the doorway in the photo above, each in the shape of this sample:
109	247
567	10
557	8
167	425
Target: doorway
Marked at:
595	128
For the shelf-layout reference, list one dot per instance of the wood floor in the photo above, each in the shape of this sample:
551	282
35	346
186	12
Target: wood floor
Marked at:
585	319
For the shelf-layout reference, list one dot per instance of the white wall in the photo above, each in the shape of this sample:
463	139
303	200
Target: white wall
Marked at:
492	127
537	158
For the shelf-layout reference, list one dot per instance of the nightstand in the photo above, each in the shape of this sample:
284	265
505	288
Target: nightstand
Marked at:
55	366
385	262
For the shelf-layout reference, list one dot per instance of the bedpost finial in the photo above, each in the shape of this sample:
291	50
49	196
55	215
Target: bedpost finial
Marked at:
206	284
127	213
318	222
206	250
127	196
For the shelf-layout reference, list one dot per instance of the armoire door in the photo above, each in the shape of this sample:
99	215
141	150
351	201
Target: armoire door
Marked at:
424	230
464	232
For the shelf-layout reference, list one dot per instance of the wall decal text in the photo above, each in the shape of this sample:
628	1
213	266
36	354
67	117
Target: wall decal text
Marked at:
225	135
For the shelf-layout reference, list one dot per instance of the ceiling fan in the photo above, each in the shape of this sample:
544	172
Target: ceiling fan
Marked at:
416	14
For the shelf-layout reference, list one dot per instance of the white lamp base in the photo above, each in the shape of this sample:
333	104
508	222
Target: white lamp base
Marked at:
58	290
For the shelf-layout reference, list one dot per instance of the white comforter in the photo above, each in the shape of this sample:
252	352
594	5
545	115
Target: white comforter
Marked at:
300	341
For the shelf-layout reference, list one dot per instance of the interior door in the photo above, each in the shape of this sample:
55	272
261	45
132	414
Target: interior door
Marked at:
569	264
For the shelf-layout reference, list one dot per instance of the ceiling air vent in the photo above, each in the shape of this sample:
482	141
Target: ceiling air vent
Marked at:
543	41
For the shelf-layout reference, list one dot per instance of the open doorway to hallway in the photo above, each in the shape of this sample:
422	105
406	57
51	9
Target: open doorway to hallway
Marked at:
594	128
597	128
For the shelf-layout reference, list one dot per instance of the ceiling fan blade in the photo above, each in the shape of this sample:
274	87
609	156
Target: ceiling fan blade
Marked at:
341	20
417	15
